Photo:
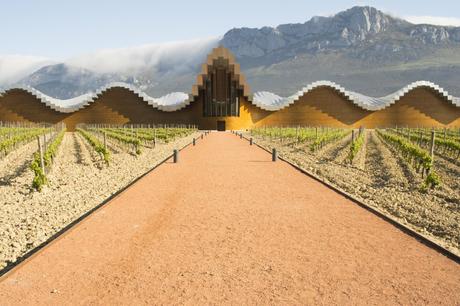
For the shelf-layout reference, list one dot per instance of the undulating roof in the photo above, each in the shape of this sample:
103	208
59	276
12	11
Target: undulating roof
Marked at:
263	99
168	103
270	101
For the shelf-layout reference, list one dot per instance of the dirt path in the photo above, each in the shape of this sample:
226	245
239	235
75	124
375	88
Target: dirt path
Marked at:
228	226
450	172
16	162
381	164
78	181
335	151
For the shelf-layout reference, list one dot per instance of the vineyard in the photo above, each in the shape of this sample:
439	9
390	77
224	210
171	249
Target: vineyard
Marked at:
49	176
411	174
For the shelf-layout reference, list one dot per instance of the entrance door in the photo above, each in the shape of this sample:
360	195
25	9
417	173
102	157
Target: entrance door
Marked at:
221	125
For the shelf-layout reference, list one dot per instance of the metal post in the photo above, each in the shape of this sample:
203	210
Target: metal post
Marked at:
176	156
274	155
105	140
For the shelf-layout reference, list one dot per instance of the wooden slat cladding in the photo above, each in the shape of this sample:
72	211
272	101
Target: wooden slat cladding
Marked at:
221	90
221	94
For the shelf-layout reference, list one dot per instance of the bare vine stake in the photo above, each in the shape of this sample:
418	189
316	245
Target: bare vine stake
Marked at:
433	136
44	142
40	151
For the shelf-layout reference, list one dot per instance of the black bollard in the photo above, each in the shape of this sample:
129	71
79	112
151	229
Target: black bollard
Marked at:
250	141
193	140
274	155
241	135
176	156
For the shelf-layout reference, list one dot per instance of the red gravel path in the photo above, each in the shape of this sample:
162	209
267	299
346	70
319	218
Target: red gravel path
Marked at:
226	225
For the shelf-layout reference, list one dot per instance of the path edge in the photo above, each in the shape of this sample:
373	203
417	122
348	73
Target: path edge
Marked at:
386	217
20	260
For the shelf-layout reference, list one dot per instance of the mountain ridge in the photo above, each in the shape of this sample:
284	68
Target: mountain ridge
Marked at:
360	48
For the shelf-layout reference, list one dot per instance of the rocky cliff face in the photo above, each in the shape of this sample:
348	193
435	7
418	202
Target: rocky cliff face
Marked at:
359	28
360	48
66	81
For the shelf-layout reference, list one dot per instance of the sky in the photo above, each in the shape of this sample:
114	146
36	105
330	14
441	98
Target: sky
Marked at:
37	32
62	29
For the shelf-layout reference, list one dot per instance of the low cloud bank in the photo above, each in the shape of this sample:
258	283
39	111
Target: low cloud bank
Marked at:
442	21
165	57
162	59
15	67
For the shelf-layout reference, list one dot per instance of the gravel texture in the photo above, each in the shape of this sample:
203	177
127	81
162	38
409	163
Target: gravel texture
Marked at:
381	178
227	226
79	181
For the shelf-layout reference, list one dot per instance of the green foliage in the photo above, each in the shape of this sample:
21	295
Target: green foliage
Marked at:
414	155
148	134
48	156
447	144
96	144
24	135
315	136
130	140
328	137
432	181
356	146
409	150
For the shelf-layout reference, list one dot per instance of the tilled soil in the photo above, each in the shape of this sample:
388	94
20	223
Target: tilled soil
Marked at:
227	226
78	181
385	181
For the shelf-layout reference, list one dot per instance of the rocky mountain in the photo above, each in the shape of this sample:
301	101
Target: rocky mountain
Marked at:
64	81
360	48
364	33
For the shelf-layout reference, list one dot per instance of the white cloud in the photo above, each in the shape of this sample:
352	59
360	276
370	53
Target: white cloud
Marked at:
15	67
163	57
444	21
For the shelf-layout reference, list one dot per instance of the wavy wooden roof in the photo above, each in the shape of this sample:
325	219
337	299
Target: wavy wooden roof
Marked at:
263	99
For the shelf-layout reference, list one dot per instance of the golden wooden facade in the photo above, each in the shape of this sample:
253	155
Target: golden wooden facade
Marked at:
320	107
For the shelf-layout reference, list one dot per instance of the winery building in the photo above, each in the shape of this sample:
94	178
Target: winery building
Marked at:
221	99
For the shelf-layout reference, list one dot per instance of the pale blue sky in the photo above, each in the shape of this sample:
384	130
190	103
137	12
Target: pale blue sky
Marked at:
60	29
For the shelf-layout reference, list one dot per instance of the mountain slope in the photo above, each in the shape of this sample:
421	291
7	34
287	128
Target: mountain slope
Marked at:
360	48
64	81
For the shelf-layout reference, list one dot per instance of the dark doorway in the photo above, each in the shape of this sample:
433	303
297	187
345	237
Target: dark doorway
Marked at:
221	125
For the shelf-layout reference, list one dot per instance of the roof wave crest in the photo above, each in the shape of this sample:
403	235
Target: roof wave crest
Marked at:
265	100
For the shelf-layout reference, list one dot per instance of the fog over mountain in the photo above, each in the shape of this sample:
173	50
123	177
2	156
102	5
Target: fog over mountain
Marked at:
361	48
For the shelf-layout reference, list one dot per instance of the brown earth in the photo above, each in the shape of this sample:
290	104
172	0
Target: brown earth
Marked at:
79	180
381	178
228	226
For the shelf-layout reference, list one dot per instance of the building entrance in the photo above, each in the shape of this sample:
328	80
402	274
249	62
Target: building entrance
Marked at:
221	125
